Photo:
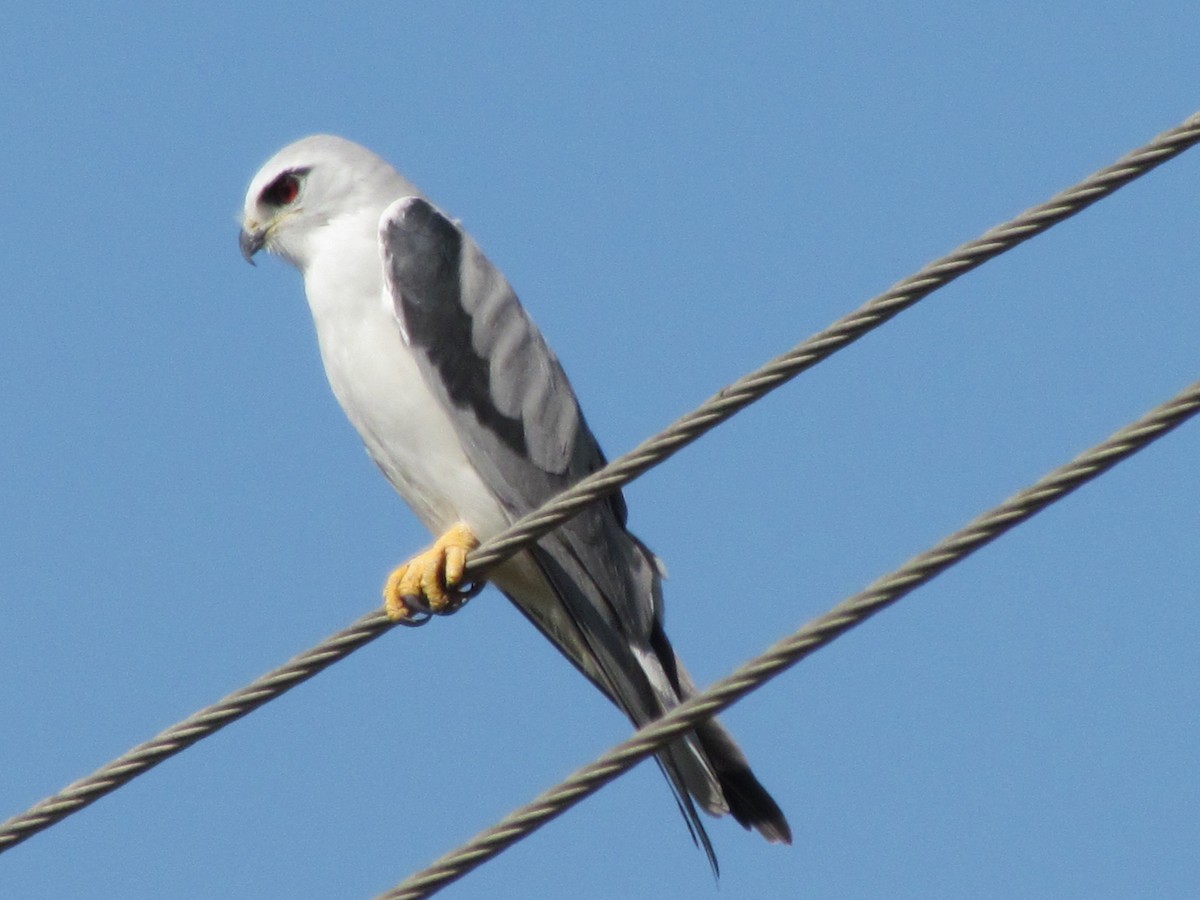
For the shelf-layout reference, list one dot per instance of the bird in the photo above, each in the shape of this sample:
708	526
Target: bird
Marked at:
469	415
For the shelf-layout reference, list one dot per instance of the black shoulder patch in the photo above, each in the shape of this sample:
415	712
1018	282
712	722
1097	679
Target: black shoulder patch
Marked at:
425	255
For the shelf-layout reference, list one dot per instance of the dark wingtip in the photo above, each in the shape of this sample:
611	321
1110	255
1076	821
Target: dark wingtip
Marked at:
751	805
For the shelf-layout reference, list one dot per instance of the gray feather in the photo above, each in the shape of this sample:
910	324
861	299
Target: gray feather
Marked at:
521	427
509	398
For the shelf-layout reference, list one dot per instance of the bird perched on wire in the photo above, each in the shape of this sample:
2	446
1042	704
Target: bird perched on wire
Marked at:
469	415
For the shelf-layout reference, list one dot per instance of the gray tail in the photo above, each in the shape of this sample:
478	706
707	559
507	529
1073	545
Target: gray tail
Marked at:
641	674
742	793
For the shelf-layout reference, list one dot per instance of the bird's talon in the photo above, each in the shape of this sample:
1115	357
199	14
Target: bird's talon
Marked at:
429	582
407	610
411	618
414	601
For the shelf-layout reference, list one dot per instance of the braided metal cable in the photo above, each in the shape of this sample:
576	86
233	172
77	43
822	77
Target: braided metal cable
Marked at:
790	650
182	735
613	476
841	333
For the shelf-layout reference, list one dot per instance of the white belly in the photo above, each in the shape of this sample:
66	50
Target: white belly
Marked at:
412	439
405	429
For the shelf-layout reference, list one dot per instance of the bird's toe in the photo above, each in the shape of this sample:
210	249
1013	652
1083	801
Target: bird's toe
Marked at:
428	582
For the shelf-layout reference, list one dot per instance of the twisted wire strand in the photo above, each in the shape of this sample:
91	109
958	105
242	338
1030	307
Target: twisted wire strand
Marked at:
823	344
183	734
790	650
613	476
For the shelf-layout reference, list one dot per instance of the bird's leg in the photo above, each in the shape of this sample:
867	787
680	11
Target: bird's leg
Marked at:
430	578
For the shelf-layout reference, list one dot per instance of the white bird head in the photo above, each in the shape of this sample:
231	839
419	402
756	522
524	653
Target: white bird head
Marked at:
317	182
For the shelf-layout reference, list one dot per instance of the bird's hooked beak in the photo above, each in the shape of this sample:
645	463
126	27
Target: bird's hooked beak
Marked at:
251	240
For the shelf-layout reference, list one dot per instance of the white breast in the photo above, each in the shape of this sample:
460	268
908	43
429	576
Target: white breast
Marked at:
375	378
406	430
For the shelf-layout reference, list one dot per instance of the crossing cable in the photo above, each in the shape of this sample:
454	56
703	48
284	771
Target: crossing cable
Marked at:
790	650
843	332
612	477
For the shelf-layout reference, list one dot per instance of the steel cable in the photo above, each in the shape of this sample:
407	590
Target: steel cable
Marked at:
787	652
613	476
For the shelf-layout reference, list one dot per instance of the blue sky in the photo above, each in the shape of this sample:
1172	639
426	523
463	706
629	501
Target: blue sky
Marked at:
677	192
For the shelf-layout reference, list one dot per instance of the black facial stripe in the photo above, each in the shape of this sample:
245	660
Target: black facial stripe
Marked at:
276	193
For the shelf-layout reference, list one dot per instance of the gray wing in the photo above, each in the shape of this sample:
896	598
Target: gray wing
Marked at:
521	427
509	399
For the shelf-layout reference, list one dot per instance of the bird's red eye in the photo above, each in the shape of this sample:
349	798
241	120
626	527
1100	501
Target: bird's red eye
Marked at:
283	190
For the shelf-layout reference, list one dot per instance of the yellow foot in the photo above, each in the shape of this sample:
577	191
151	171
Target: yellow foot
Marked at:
430	578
